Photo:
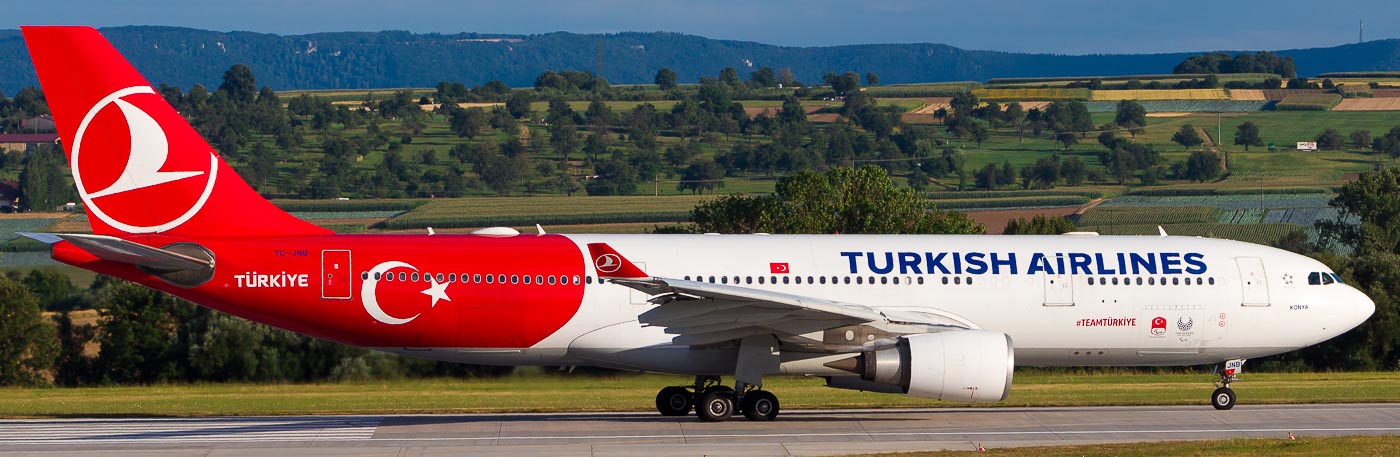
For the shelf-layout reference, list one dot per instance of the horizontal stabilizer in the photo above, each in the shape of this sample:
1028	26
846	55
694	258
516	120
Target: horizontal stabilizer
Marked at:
118	250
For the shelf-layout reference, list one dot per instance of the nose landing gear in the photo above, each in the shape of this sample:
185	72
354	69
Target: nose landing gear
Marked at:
1224	397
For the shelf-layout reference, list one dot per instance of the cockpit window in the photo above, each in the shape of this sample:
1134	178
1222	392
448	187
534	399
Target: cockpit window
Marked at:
1323	278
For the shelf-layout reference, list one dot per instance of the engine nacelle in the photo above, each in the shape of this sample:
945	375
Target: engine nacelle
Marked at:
961	365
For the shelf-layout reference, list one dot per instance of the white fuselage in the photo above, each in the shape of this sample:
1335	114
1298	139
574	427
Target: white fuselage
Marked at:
1064	300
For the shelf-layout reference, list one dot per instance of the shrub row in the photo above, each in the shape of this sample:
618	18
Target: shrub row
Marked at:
464	221
1200	192
348	205
1013	202
970	194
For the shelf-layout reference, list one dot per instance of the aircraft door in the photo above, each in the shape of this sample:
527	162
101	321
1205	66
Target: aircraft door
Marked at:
335	274
1253	281
1059	289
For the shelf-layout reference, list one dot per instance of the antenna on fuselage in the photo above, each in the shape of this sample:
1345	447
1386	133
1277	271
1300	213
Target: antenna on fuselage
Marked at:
1161	231
431	232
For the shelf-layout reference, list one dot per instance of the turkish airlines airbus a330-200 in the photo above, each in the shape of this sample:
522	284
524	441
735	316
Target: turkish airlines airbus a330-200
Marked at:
927	316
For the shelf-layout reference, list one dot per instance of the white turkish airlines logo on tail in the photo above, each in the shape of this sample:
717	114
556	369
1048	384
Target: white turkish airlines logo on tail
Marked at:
608	263
150	149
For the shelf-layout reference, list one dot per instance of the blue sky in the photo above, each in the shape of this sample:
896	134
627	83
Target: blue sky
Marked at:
1069	27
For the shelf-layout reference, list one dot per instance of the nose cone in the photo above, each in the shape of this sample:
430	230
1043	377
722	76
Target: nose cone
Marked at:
1359	307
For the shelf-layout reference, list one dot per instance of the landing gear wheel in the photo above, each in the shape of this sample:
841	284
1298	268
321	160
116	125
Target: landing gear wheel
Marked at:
716	405
759	405
674	401
1223	398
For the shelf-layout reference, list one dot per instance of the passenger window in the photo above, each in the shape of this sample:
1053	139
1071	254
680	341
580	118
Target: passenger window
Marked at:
848	280
1198	280
527	279
403	276
1175	281
859	280
1115	281
589	279
884	280
378	275
945	280
823	278
551	280
957	280
1139	281
514	279
748	280
1151	281
760	280
712	280
969	281
1210	281
785	279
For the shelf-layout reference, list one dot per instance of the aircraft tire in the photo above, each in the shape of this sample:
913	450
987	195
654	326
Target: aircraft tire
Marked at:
759	405
1223	398
674	401
717	405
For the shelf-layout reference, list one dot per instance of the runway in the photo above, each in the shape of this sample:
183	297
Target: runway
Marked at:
813	432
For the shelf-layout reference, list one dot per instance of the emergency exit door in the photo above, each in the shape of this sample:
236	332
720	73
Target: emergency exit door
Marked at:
1253	282
335	274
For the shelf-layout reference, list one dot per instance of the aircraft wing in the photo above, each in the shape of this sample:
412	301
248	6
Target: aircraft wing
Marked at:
702	313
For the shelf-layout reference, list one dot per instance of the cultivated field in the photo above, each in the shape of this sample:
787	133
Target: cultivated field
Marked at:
1368	104
1247	94
1160	94
1031	94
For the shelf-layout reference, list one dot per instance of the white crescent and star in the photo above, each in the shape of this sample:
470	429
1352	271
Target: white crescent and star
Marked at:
438	291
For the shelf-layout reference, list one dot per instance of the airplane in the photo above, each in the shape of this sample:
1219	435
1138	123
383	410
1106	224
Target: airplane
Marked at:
929	316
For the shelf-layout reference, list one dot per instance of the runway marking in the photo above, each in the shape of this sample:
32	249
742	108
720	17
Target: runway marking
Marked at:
327	429
365	434
211	430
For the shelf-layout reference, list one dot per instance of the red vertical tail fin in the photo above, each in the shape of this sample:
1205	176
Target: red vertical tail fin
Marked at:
138	165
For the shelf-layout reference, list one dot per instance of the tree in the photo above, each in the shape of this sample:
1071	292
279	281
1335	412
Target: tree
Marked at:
666	78
1044	173
1247	134
467	122
28	344
1038	225
518	105
1073	170
1202	166
501	173
763	77
1187	137
1330	139
1131	115
729	76
842	200
1361	138
564	137
239	85
41	182
700	177
872	79
135	338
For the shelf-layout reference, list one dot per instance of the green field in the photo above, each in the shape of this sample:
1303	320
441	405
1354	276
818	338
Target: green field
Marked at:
1274	447
629	392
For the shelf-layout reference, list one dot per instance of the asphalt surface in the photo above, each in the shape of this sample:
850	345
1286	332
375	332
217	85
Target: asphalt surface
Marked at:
824	432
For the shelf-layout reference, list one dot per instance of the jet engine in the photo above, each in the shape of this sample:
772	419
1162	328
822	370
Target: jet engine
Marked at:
961	365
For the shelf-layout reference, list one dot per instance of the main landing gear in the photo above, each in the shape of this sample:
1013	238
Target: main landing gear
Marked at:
715	402
1224	397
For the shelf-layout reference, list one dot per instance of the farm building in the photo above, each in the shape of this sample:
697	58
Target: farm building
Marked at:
25	142
38	124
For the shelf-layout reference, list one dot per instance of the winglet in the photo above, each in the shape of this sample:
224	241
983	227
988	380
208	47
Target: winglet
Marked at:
610	264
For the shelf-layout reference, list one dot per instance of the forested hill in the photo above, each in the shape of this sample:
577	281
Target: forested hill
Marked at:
184	57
